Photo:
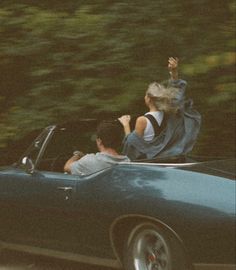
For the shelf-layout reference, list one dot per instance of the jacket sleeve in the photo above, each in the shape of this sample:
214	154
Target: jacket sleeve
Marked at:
181	84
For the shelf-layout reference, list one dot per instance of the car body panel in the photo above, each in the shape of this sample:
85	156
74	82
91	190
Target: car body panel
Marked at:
74	217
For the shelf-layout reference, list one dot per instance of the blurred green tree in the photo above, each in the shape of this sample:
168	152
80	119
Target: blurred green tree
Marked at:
63	61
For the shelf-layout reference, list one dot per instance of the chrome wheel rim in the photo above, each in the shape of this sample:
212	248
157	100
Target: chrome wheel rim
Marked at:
151	251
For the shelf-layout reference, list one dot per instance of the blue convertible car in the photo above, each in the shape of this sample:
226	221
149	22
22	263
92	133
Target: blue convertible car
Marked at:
149	215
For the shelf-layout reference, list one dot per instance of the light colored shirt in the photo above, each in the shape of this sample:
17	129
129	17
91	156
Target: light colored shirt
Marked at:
92	163
149	132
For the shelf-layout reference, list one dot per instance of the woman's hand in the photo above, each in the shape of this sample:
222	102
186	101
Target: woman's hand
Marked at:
173	63
125	121
173	67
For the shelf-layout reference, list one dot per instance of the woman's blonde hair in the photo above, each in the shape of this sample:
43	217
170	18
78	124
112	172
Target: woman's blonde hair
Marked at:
167	99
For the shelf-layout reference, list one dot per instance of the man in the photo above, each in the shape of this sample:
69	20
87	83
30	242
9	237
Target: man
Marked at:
109	139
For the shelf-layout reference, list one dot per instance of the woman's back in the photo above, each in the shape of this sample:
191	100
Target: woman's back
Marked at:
149	132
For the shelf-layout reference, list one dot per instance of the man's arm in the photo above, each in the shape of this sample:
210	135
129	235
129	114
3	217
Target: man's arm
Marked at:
77	155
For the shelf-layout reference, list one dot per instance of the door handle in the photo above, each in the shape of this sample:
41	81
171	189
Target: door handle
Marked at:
65	188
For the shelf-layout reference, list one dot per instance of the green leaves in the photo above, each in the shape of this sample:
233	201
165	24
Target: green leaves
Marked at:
88	58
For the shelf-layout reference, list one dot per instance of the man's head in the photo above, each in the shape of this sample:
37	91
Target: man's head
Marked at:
110	134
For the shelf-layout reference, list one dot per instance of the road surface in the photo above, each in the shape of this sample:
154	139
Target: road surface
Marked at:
20	261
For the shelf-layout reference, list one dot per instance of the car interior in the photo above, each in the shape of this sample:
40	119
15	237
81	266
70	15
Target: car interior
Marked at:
68	138
65	140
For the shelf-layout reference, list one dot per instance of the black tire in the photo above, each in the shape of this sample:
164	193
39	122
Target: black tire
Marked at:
150	247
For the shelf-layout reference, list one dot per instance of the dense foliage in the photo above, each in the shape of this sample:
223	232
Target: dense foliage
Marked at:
66	60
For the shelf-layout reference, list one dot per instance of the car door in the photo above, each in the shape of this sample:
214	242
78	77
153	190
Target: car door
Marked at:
35	208
32	202
42	207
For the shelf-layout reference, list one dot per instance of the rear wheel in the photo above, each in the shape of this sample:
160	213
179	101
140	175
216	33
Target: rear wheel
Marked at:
152	248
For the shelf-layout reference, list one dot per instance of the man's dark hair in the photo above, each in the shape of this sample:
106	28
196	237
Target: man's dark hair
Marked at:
111	133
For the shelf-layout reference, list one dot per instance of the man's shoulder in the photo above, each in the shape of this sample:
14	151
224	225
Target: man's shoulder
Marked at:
86	165
88	158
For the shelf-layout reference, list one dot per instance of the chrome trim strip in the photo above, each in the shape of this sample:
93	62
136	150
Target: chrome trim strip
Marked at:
202	266
174	165
43	147
112	263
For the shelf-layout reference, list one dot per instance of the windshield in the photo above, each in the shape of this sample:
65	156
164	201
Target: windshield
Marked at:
37	147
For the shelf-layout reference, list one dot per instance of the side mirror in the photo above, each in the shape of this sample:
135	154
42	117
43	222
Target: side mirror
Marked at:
28	165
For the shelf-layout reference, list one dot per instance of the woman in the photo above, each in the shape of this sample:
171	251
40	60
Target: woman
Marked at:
169	128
